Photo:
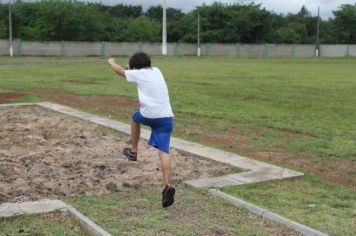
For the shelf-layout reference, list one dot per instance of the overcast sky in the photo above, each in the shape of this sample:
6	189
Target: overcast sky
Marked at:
278	6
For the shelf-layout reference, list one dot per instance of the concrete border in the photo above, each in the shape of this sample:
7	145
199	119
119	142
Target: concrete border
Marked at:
17	104
86	223
46	206
304	230
28	208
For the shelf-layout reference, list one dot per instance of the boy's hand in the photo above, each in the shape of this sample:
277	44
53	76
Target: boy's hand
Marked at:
111	60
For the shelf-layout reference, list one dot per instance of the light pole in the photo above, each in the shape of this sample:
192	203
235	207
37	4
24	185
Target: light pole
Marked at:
198	40
164	30
317	34
10	32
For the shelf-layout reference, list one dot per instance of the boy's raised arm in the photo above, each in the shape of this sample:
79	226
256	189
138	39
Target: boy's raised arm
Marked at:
116	67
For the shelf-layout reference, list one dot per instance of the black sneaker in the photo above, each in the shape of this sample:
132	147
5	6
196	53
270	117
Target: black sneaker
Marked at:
168	196
131	156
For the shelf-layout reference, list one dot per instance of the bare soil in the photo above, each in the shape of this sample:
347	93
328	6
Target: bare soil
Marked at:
45	154
7	97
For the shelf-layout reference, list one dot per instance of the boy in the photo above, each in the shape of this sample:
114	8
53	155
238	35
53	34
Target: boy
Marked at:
155	111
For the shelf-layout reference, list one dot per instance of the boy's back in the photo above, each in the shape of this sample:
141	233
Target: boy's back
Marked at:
152	92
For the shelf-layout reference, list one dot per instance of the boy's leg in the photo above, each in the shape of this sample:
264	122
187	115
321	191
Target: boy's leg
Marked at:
166	167
135	135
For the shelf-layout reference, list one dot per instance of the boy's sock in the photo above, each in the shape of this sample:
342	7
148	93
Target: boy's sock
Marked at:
131	156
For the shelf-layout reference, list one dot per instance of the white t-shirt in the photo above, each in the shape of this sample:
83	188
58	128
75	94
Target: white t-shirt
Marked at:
152	92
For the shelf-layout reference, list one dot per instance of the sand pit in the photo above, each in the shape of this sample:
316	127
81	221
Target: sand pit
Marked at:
44	154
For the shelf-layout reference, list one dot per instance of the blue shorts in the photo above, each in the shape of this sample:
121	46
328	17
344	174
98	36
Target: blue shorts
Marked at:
161	130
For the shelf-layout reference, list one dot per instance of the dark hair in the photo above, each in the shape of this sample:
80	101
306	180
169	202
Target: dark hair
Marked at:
139	60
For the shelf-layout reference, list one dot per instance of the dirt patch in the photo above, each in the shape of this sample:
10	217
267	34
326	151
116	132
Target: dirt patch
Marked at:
119	107
7	97
44	154
80	82
332	169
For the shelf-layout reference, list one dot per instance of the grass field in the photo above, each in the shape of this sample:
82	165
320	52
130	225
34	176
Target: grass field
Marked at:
54	224
324	206
295	113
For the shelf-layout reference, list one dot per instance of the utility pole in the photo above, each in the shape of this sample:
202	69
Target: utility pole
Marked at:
317	54
164	30
10	31
198	39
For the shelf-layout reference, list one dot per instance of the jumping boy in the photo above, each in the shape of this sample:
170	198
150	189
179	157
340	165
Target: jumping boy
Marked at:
155	112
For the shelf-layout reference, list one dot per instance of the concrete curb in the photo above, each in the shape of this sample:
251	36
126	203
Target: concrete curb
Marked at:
87	224
17	104
28	208
304	230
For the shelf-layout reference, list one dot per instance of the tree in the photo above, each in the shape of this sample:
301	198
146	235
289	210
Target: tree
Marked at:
123	11
155	12
173	16
287	35
328	32
303	13
228	23
345	22
142	29
3	22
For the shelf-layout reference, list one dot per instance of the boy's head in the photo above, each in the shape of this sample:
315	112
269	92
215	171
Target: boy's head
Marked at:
139	60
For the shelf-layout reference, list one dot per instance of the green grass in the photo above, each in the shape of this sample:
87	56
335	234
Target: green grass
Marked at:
31	97
312	98
327	207
4	90
45	60
53	224
302	97
194	213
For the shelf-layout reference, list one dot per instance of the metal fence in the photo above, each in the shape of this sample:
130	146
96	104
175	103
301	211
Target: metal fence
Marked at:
29	48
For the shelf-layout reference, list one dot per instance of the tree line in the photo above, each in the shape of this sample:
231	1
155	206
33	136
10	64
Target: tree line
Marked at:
56	20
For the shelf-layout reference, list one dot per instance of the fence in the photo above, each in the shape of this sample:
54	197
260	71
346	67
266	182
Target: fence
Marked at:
28	48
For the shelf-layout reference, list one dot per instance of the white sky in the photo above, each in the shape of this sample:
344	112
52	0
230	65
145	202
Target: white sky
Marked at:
278	6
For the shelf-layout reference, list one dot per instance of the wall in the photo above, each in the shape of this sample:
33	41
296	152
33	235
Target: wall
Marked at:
333	50
27	48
